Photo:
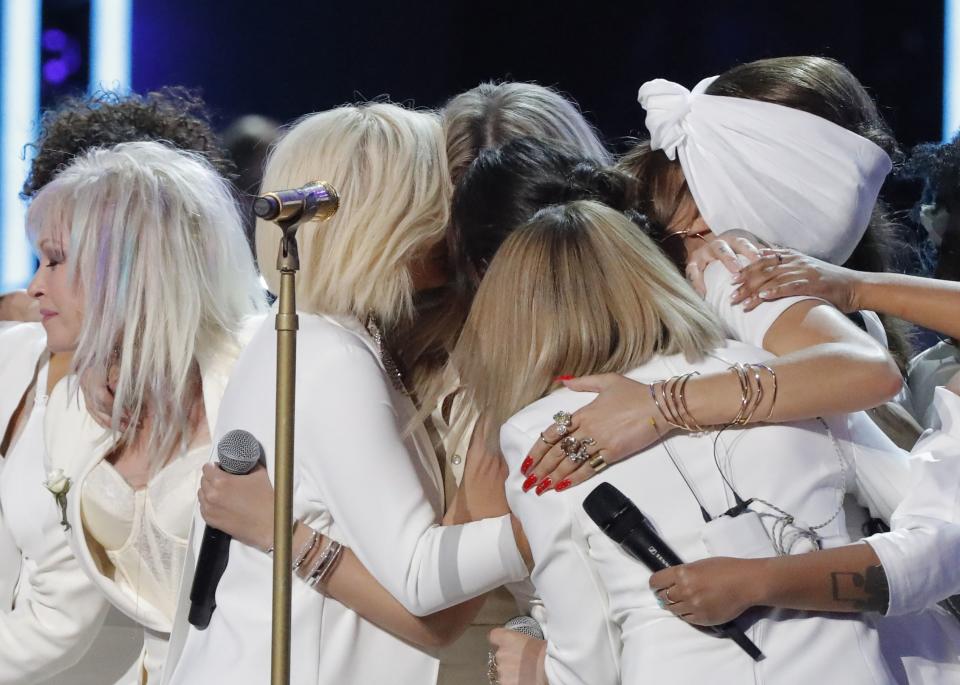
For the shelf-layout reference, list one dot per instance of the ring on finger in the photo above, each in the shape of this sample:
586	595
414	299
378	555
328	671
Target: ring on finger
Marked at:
779	258
666	596
543	439
493	673
562	421
579	456
598	463
569	445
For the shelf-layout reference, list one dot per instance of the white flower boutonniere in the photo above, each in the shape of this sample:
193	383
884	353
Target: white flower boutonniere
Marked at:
58	484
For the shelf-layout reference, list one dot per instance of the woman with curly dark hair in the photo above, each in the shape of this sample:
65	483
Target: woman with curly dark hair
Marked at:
50	612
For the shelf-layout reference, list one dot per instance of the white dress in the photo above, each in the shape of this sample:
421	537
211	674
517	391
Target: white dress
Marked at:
51	615
361	479
615	630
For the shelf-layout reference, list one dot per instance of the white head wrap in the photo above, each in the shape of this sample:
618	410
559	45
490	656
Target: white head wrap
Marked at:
789	177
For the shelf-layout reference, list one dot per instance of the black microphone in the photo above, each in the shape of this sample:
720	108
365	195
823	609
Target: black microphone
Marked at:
316	200
238	452
621	521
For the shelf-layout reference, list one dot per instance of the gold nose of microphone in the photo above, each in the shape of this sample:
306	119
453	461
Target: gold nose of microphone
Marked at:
315	201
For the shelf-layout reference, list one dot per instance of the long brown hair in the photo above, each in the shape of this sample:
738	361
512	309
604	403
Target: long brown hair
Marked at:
819	86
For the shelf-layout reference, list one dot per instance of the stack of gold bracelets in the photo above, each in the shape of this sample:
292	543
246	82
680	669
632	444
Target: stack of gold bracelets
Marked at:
669	398
318	571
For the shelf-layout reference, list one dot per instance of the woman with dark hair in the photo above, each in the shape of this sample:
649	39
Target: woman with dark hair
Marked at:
512	183
772	164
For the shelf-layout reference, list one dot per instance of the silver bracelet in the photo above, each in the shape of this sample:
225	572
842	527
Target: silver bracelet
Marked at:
321	569
306	549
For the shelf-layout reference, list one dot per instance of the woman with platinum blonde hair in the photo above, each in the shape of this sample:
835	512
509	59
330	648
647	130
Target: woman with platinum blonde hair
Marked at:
368	488
147	279
644	320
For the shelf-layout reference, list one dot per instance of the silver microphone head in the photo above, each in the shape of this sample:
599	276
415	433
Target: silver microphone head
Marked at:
238	452
526	625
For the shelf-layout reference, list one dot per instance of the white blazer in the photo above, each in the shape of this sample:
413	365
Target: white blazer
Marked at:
76	443
615	631
51	612
362	480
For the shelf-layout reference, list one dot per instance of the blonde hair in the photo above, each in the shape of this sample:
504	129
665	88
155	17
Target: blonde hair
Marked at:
581	290
388	165
156	247
496	113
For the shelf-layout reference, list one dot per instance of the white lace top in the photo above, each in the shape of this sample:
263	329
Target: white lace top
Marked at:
144	532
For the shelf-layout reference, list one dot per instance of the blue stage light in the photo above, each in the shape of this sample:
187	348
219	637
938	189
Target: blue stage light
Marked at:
19	109
110	30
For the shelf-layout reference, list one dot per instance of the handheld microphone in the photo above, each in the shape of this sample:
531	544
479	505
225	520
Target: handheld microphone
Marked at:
316	200
621	521
238	452
525	625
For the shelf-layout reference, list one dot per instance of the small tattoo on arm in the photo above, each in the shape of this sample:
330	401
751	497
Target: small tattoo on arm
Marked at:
867	591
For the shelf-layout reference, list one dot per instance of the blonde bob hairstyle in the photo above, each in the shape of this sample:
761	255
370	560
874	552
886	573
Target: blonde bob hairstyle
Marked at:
581	290
388	165
493	114
152	239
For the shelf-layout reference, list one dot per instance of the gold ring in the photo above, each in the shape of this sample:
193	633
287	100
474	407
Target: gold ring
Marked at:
598	463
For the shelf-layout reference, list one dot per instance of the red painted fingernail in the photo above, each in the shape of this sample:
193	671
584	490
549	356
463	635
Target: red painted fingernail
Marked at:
544	485
527	463
529	482
563	378
563	485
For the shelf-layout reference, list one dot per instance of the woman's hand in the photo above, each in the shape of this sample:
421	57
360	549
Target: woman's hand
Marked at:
482	493
710	591
785	273
618	421
726	247
241	506
19	306
98	386
519	658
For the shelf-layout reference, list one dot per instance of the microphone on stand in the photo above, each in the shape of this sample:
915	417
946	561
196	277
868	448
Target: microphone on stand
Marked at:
238	452
621	521
316	200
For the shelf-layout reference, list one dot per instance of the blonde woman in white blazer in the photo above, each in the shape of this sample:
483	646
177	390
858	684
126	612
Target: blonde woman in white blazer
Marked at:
148	280
365	476
644	320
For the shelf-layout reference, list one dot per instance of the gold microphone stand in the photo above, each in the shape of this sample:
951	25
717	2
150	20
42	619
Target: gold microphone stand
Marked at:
288	263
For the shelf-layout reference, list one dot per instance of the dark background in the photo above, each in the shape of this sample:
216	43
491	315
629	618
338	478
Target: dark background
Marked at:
285	58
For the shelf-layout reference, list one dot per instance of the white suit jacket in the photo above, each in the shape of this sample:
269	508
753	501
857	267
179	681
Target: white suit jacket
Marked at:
615	631
360	479
51	612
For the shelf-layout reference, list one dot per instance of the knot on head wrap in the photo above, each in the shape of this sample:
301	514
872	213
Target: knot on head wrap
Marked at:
789	177
667	105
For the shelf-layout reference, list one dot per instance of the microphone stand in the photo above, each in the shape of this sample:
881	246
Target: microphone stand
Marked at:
316	201
288	263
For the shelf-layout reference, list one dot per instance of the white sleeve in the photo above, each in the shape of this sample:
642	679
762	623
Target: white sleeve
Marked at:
55	626
747	327
376	495
583	645
920	555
